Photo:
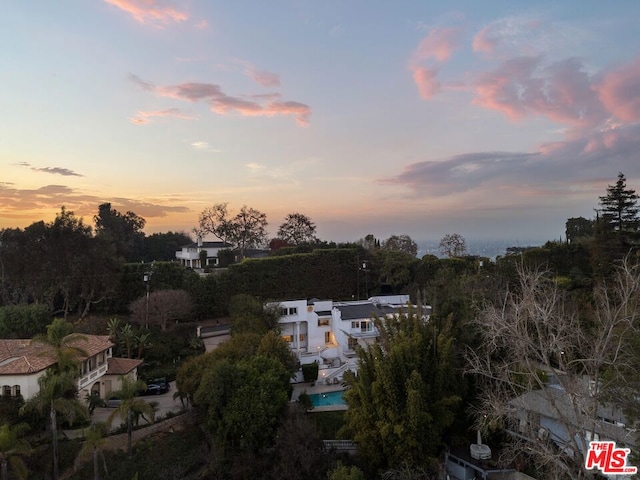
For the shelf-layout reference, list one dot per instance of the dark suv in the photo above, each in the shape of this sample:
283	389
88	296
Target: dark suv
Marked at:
157	386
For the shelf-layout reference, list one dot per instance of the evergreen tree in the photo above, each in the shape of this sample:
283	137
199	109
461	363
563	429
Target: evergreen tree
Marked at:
618	206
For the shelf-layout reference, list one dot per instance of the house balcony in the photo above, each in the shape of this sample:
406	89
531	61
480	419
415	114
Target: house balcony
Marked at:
363	332
188	255
92	376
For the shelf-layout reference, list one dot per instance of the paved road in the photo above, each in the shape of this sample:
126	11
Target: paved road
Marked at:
166	404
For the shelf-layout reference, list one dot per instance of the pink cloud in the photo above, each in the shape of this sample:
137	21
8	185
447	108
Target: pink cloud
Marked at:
484	41
439	44
221	103
190	91
142	118
426	82
266	79
620	91
561	91
262	77
150	11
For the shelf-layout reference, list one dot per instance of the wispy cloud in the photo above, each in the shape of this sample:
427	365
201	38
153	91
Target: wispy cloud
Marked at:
203	146
66	172
562	91
426	81
22	203
221	103
554	167
619	91
158	13
142	118
439	44
262	77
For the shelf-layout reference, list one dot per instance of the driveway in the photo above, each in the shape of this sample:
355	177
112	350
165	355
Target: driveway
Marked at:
165	402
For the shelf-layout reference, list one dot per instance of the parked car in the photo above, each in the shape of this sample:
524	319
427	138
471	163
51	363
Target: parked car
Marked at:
157	386
113	402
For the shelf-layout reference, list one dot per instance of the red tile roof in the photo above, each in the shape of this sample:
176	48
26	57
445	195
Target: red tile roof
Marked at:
26	356
121	366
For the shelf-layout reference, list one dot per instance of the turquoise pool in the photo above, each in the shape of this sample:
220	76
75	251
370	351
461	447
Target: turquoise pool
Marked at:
327	398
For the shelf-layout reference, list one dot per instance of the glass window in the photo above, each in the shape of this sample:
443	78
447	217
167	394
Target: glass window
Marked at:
293	311
288	338
17	390
352	342
303	337
6	390
327	337
355	324
324	322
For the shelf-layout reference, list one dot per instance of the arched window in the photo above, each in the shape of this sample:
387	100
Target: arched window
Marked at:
16	391
6	391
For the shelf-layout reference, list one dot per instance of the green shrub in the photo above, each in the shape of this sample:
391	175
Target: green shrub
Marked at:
310	372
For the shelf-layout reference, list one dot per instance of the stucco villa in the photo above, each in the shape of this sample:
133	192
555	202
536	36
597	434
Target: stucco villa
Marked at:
24	361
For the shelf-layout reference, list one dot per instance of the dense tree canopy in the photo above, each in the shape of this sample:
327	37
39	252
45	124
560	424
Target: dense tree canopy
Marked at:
405	396
122	230
401	243
296	229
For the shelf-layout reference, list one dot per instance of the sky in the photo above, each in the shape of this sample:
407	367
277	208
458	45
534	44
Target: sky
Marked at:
492	119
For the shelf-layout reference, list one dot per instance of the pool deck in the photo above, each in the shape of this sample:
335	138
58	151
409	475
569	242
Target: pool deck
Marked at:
298	388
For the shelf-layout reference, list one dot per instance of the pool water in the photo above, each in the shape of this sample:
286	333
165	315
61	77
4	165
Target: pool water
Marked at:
327	398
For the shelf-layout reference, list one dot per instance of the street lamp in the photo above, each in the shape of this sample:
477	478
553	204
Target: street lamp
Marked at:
365	264
147	278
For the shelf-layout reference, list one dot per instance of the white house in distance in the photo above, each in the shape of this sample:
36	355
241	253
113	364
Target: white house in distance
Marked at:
327	332
189	256
23	362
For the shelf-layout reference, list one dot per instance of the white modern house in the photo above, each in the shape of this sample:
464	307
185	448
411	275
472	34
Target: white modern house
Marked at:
189	255
327	332
24	361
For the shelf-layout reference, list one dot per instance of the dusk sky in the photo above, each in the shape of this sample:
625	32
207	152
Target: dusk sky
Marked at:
492	119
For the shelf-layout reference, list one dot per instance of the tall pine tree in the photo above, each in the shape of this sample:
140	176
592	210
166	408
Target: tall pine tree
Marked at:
618	206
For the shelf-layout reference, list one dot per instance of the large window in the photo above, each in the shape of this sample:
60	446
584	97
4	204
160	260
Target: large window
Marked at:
352	343
324	321
288	338
355	324
6	390
303	337
327	337
366	326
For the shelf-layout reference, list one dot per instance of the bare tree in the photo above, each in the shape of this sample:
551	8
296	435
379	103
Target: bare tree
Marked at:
453	245
162	307
546	369
247	229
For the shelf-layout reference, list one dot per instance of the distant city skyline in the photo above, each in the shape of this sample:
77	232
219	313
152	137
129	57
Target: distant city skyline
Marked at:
495	120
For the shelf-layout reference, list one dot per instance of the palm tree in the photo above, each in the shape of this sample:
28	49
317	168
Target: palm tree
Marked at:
57	396
58	386
131	405
11	445
95	439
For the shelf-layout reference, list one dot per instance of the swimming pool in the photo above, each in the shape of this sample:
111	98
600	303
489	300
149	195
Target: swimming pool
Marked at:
327	398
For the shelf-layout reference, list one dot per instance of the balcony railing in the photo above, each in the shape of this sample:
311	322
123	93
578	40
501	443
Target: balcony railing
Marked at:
92	376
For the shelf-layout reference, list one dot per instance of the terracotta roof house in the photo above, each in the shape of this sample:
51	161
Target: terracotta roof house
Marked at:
24	361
